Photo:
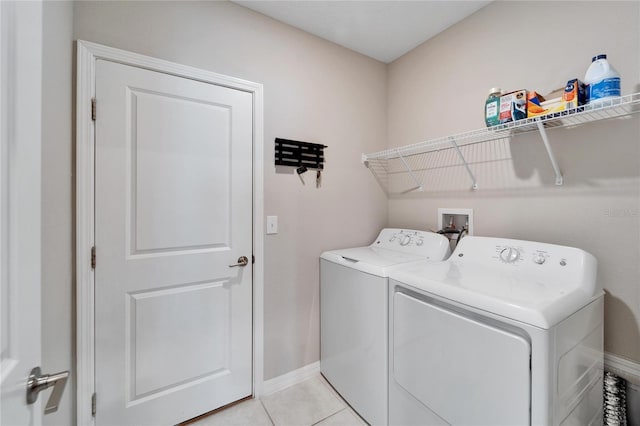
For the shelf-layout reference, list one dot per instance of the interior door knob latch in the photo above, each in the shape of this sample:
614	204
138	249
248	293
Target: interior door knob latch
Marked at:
38	382
242	261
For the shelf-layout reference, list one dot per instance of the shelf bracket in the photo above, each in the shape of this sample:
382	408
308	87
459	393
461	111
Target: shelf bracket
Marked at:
413	176
554	163
474	184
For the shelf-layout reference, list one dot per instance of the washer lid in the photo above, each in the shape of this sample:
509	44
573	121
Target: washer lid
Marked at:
392	248
373	260
505	277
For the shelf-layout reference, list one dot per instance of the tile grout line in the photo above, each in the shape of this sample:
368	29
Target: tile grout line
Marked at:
264	407
324	387
331	415
325	383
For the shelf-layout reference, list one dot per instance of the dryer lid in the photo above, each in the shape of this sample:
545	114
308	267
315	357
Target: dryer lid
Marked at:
535	283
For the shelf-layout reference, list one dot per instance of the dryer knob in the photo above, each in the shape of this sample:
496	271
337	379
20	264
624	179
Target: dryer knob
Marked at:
420	242
539	258
405	240
509	255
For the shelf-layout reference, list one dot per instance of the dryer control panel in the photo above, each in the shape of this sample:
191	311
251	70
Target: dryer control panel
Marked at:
540	262
513	254
421	243
534	253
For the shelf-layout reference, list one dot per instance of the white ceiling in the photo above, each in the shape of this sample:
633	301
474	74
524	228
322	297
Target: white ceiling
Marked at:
381	29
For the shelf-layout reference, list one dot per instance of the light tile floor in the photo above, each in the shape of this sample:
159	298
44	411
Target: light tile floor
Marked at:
312	402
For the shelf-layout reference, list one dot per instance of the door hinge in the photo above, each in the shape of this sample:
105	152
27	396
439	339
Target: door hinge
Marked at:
93	257
93	404
93	109
253	259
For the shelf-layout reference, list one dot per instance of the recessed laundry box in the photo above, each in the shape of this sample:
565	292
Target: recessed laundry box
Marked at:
504	332
354	301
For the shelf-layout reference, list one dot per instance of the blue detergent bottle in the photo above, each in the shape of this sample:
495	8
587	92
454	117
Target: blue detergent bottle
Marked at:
602	79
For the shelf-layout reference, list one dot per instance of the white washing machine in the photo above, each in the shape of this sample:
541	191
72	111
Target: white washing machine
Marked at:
354	295
504	332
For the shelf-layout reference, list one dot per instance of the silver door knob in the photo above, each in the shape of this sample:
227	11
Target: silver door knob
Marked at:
38	382
242	261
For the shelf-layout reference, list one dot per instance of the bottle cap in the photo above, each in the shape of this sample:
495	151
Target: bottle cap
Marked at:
600	56
495	90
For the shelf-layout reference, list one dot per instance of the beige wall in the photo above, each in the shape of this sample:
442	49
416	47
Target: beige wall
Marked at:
440	87
58	345
313	91
317	91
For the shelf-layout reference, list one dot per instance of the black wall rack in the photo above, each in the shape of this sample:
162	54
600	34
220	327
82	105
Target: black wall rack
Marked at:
297	154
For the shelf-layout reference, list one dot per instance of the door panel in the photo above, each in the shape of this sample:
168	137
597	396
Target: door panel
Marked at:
20	207
165	160
438	353
173	211
192	339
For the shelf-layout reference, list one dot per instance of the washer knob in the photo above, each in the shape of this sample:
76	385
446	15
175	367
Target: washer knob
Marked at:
393	237
405	240
539	259
509	255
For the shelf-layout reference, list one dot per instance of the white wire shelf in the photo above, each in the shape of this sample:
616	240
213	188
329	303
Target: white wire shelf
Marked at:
605	110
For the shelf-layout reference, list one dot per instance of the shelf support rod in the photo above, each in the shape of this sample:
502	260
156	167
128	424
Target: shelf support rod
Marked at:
554	163
413	176
474	184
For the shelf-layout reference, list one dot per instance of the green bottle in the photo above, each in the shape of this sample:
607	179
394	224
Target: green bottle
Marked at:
492	108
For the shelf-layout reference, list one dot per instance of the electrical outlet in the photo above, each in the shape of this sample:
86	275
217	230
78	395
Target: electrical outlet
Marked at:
455	218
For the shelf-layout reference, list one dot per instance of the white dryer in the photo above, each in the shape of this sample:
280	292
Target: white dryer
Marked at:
354	294
504	332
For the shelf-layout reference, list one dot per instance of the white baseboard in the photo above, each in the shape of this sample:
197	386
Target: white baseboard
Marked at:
628	370
291	378
621	367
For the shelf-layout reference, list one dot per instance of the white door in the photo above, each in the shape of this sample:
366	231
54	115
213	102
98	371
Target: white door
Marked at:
20	106
173	206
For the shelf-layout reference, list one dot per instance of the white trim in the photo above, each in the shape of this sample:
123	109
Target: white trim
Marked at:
291	378
627	369
258	240
87	54
84	235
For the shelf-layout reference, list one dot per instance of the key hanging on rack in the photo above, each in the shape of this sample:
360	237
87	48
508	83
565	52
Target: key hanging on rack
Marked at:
300	170
301	155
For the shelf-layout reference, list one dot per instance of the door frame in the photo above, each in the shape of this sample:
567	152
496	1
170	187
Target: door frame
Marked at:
87	55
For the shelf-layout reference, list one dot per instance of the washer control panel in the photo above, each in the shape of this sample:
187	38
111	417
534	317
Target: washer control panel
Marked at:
421	243
402	237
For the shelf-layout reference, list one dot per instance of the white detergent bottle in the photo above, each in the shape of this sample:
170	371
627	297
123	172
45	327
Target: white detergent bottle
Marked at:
603	81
